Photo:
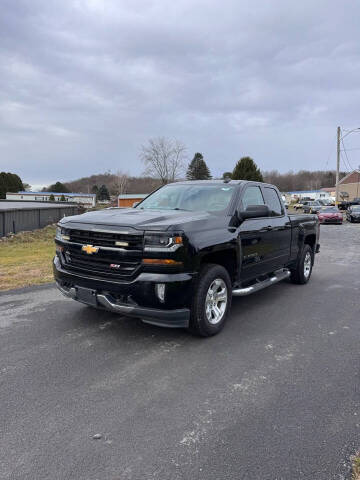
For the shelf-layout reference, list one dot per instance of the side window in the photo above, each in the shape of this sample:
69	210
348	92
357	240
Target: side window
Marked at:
252	196
272	201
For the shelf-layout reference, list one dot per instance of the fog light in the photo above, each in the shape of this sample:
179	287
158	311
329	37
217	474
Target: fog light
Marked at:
160	291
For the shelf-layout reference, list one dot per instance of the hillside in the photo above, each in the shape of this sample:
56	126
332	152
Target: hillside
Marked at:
133	184
301	180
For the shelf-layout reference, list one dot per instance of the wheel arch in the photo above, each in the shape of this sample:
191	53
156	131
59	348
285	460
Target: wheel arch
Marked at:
227	258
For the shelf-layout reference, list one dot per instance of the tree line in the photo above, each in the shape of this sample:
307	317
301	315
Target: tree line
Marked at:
302	180
165	161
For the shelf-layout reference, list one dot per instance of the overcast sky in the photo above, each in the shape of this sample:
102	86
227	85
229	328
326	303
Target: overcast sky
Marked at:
84	83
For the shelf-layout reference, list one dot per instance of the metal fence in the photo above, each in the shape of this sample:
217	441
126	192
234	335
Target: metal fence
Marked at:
18	220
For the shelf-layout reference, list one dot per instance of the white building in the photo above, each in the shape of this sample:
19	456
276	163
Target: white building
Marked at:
311	194
86	199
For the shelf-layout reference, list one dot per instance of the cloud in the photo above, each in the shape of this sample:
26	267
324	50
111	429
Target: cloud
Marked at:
84	83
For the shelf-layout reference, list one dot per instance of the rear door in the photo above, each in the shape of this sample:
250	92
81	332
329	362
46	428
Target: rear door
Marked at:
279	228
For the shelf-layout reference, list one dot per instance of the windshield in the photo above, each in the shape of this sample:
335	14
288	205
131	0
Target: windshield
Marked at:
356	208
193	198
329	210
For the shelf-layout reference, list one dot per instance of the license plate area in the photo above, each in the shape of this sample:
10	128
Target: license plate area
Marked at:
86	295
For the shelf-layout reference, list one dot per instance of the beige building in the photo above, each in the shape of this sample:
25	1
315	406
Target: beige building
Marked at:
351	185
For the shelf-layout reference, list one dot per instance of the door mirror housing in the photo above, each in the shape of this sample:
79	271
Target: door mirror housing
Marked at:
255	211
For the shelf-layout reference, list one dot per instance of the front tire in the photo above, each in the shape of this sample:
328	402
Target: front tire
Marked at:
302	272
211	302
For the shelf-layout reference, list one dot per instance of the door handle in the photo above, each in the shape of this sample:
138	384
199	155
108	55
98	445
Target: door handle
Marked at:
266	229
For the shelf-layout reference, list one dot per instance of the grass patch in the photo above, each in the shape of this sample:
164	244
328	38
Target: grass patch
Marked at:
26	258
355	462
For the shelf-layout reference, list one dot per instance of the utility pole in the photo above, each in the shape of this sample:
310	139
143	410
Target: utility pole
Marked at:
337	165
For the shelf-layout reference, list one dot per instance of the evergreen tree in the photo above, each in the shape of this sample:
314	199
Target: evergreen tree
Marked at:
246	169
198	170
58	187
103	193
227	175
95	190
10	182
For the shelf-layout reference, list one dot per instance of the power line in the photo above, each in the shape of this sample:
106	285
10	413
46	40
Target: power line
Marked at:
330	155
347	158
347	167
349	149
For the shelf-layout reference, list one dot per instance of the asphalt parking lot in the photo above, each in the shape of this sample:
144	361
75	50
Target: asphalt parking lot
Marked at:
275	396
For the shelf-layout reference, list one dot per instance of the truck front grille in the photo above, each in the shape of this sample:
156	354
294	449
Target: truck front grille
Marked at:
111	261
100	266
107	239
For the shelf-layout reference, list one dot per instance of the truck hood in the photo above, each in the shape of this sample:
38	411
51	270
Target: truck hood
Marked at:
136	218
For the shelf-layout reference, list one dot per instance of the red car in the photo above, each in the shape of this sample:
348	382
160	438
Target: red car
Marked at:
330	215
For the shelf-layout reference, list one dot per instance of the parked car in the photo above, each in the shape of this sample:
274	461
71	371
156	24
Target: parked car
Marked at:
353	213
326	202
285	202
312	206
345	204
298	205
330	215
179	256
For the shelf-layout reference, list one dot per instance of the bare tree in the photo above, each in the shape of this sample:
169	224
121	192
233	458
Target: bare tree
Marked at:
163	158
120	183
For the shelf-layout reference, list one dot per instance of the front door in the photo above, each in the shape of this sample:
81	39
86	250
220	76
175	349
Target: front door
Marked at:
256	238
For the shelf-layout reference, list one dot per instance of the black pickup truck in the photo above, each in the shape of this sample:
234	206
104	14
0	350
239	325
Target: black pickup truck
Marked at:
178	257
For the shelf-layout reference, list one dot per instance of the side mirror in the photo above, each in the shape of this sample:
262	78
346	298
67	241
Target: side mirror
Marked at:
255	211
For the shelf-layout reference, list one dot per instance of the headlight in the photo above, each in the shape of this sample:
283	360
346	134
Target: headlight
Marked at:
61	234
162	242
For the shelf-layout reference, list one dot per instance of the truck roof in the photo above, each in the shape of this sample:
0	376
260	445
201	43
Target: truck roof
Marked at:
209	182
219	182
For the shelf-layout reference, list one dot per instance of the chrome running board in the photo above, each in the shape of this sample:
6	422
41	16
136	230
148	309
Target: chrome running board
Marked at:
278	276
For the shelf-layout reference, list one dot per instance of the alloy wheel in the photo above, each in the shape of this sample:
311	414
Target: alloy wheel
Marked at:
307	265
216	301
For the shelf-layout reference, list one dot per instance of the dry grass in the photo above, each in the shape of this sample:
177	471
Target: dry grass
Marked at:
355	461
26	258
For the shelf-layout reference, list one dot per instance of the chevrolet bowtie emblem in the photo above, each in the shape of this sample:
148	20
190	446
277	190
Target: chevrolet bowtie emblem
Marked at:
89	249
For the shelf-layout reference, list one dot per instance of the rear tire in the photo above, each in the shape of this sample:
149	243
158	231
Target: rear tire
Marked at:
211	302
302	272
